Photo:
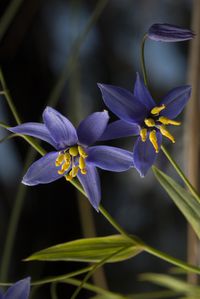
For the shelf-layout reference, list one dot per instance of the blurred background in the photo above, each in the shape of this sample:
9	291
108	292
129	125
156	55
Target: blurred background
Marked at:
53	53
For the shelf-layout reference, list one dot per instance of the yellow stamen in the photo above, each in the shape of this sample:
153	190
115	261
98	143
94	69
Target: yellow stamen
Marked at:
166	121
157	109
143	134
65	166
73	151
67	157
84	171
74	171
82	152
81	162
153	139
166	133
69	177
59	159
149	122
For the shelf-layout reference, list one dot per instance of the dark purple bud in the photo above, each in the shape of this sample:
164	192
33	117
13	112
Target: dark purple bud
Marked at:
169	33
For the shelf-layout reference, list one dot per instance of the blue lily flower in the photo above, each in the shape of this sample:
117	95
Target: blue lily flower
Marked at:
19	290
74	155
140	116
169	33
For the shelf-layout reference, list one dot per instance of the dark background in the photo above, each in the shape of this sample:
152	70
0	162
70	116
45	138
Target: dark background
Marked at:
36	46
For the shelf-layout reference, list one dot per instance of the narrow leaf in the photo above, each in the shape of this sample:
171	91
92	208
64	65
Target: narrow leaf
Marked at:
186	203
89	250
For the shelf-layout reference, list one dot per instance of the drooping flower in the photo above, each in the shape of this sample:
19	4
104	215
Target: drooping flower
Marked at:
19	290
74	155
141	116
169	33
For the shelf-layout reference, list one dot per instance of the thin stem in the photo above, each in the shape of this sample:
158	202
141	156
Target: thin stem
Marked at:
181	174
53	291
171	260
93	288
101	263
8	98
142	60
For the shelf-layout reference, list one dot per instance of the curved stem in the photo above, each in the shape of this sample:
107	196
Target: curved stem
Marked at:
142	60
181	174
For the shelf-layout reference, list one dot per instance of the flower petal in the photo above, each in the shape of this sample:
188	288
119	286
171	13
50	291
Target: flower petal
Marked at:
142	94
110	158
42	171
175	101
122	102
144	154
35	130
169	33
118	129
1	294
20	290
92	127
91	184
60	128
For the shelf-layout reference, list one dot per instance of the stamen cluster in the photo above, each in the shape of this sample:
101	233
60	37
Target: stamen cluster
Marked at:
72	158
155	121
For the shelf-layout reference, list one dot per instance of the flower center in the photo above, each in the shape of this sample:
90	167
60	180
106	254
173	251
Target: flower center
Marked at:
156	122
74	158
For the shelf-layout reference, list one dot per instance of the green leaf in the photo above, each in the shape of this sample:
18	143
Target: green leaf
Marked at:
89	250
186	203
172	283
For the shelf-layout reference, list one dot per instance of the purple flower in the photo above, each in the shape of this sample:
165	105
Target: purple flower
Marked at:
140	116
169	33
19	290
74	157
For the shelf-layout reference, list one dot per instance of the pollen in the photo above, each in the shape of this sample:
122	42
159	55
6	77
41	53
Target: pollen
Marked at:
143	134
73	151
84	171
59	159
149	122
166	121
82	152
81	162
153	140
157	109
166	133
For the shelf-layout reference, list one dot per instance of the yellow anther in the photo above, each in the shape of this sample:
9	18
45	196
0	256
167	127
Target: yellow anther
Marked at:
82	152
149	122
84	171
64	167
73	151
81	162
153	139
74	171
69	177
166	133
143	134
67	157
166	121
59	159
157	109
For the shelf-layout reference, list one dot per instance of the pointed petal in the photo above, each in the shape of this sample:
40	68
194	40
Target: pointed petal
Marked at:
91	128
60	128
118	129
110	158
20	290
35	130
142	94
122	102
42	171
91	184
175	101
144	154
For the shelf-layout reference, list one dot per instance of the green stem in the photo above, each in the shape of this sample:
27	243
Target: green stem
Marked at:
142	60
170	259
181	174
89	274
